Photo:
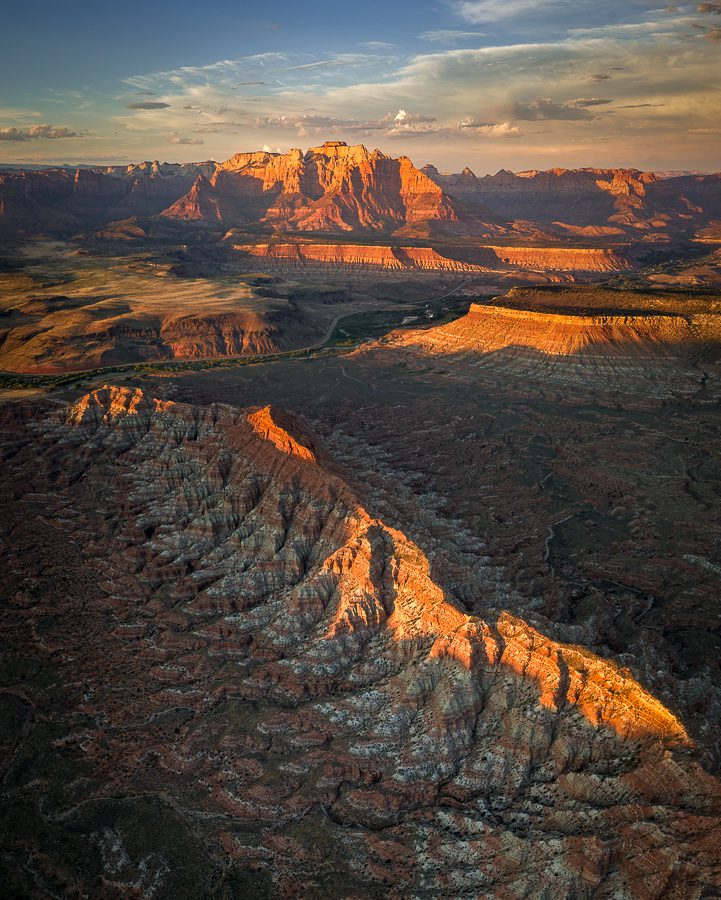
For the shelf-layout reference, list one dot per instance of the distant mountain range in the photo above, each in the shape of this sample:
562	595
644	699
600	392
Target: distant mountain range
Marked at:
335	188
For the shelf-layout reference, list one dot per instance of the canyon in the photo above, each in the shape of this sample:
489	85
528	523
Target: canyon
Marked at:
336	188
360	530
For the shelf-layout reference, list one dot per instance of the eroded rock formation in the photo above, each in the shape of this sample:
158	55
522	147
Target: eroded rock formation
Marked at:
357	255
290	669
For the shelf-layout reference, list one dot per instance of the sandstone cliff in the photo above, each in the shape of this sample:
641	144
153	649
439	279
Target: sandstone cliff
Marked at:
356	255
478	258
634	353
333	187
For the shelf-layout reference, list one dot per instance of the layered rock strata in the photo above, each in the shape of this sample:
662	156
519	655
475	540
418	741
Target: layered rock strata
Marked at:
273	674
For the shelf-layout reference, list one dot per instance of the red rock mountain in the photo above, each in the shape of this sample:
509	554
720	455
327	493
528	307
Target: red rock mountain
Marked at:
341	188
333	187
598	201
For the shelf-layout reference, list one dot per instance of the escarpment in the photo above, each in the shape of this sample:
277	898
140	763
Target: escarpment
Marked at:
487	328
356	256
644	353
266	647
482	259
567	259
338	188
332	187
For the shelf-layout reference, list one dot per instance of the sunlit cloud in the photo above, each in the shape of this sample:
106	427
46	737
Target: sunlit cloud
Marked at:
177	139
582	81
479	12
490	129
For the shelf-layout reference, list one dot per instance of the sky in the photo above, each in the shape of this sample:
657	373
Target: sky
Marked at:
490	84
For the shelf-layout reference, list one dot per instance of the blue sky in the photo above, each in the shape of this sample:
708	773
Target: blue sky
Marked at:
516	84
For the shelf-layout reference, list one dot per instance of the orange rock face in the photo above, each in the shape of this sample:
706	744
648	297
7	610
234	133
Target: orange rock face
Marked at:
491	258
330	188
567	259
357	255
268	671
489	328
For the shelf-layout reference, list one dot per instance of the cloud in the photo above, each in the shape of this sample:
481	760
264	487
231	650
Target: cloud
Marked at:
378	45
450	36
177	139
713	34
713	8
306	125
405	122
478	12
637	85
148	104
638	105
545	109
37	132
490	129
589	101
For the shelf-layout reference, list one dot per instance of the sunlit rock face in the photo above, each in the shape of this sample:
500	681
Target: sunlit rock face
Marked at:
330	188
487	328
246	655
644	353
355	256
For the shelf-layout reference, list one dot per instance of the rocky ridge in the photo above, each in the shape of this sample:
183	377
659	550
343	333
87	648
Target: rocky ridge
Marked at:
329	188
357	255
332	691
340	188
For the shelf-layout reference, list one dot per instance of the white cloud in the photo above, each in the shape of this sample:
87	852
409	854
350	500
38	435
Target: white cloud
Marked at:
175	138
478	12
490	129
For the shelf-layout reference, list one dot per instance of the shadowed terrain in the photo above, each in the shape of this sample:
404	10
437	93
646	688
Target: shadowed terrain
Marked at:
417	619
360	531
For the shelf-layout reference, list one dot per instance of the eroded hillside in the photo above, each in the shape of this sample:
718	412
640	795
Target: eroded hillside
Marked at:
291	686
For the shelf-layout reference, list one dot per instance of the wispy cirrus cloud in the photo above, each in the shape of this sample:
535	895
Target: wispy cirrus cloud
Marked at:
450	36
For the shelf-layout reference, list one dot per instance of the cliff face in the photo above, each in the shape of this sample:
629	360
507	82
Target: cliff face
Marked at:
356	255
60	200
336	188
485	258
635	353
567	259
333	187
283	663
589	198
